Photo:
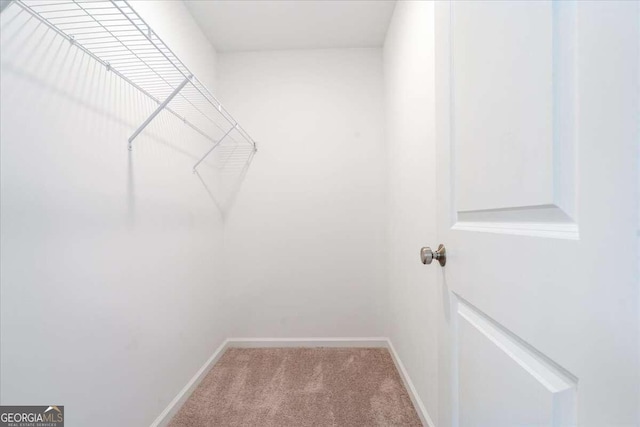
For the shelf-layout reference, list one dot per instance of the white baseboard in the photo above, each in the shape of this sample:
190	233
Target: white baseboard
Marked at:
408	384
375	342
177	402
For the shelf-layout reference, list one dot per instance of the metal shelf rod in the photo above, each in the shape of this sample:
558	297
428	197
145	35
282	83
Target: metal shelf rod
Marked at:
157	111
214	147
112	33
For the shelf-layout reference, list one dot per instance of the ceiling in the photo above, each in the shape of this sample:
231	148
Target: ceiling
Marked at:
234	25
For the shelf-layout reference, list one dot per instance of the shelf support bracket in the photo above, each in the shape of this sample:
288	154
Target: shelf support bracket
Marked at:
160	108
214	147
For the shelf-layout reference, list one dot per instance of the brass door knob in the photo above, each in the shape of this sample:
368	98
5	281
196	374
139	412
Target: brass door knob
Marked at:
427	255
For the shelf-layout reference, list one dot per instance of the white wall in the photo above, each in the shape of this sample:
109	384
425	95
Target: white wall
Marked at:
109	286
305	243
410	109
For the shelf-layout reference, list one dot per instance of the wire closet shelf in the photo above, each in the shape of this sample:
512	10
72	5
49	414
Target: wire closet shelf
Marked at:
113	33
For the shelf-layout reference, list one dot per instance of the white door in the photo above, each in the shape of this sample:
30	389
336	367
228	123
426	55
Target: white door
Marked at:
537	134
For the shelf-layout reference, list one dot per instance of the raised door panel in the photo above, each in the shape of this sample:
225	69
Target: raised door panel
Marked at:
502	381
512	115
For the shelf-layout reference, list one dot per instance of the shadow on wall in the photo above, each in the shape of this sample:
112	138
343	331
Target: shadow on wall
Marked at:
230	165
39	60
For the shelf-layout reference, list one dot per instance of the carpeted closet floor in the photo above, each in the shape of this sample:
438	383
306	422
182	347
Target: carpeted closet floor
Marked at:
300	387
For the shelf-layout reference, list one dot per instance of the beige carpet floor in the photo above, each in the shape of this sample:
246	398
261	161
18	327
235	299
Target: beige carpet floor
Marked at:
282	387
